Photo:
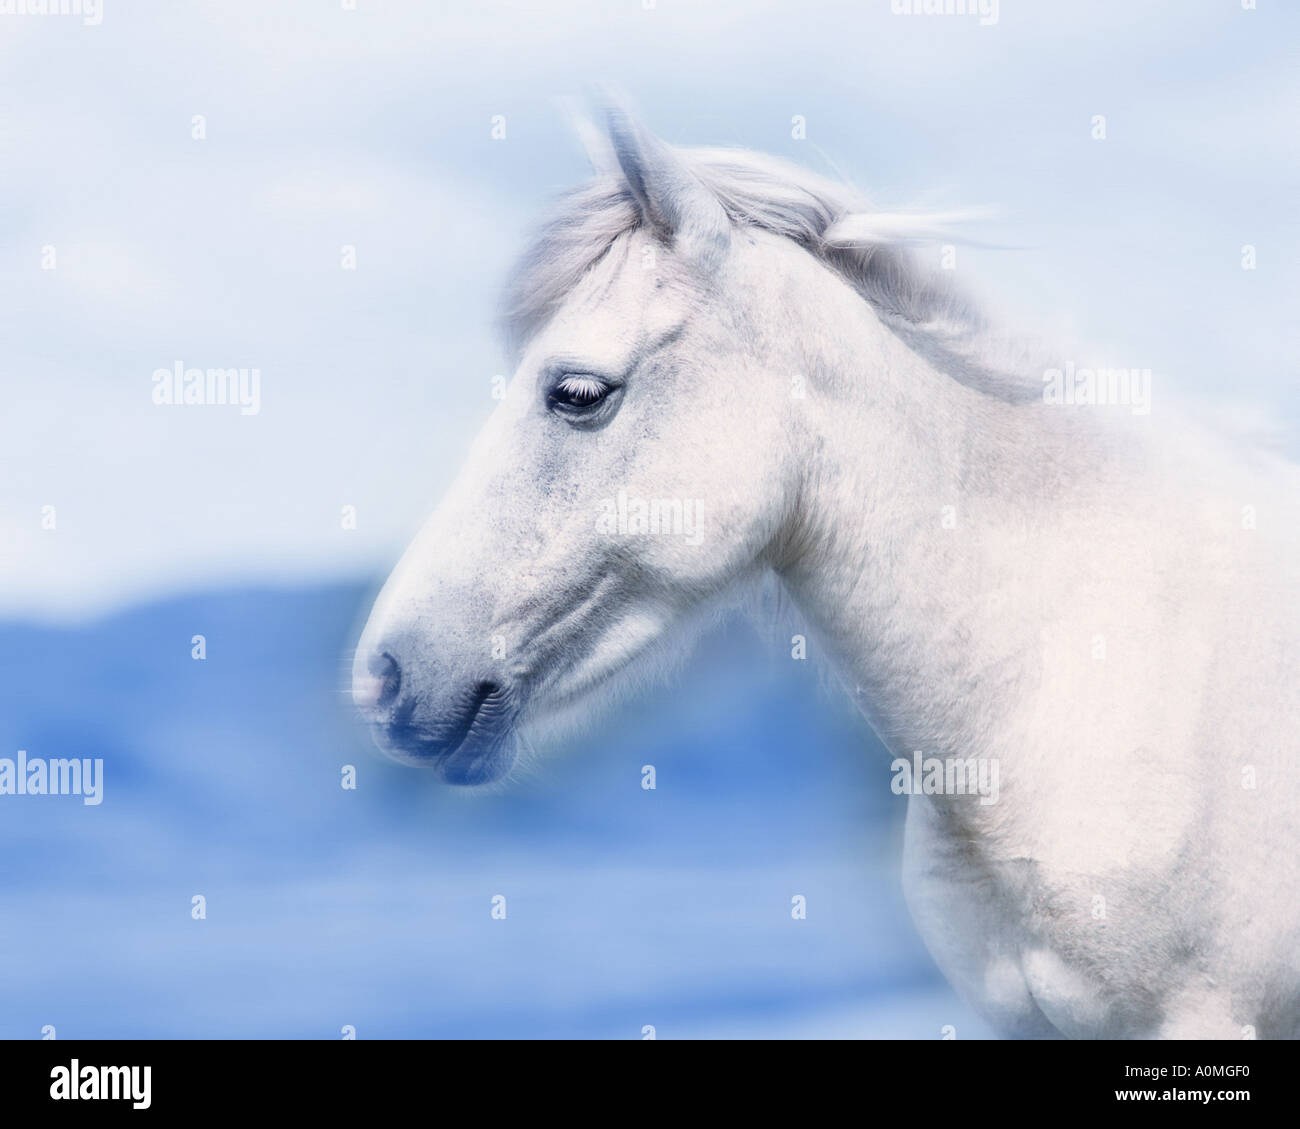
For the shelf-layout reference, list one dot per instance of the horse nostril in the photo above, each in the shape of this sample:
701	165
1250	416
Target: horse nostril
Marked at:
385	670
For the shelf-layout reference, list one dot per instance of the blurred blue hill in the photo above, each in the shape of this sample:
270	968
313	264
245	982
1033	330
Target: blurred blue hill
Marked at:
327	907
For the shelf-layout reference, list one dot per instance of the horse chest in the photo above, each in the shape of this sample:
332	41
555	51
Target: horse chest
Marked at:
981	926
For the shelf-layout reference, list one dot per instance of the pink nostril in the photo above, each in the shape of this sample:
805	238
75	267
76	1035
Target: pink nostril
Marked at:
379	686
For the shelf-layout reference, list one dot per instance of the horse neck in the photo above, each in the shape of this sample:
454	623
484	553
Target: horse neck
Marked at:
908	477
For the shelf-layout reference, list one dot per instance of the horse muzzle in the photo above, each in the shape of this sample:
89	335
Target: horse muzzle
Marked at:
467	737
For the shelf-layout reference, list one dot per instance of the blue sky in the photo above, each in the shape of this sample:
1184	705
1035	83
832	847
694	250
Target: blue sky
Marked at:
327	127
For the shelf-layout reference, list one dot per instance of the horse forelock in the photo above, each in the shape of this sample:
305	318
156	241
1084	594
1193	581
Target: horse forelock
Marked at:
871	250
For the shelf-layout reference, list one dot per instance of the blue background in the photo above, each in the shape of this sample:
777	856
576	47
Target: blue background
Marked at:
326	907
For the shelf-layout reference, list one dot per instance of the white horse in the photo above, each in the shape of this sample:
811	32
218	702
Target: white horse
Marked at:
727	368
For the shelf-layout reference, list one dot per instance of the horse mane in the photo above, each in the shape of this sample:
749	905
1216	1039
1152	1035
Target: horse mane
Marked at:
872	251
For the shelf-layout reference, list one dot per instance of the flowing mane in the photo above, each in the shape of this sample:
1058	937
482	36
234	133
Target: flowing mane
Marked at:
872	251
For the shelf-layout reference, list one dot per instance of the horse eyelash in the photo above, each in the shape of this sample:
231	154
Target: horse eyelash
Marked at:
581	385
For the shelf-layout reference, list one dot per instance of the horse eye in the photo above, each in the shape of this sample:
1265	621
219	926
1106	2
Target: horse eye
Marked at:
576	392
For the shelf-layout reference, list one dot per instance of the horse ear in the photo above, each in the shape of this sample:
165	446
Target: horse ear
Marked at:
673	201
594	141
